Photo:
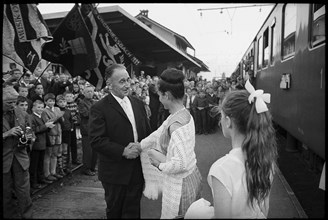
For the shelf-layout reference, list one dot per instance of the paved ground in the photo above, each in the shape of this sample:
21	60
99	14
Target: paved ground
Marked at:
82	197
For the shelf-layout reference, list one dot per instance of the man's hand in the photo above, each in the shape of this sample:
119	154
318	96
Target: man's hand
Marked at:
15	131
130	152
135	145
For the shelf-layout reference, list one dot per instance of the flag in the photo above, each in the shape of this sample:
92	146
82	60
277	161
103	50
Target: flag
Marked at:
108	48
72	44
24	32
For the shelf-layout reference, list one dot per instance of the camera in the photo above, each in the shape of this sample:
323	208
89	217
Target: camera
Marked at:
26	138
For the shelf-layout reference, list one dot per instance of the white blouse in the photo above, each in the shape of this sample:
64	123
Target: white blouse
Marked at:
230	171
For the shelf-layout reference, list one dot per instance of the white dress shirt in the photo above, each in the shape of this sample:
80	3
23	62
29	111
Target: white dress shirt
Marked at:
127	107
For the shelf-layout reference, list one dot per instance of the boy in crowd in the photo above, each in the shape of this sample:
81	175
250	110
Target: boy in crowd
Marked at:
66	124
52	113
72	106
38	92
40	128
23	91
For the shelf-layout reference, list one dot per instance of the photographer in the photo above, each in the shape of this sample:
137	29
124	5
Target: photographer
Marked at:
15	159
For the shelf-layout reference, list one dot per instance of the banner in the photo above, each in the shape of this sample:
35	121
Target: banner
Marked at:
24	32
72	44
108	48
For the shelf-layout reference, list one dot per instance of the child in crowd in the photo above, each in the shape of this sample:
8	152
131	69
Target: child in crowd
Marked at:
23	91
52	113
40	128
66	125
38	92
72	106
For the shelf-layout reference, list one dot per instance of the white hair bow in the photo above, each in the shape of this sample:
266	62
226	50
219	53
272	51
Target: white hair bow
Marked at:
261	98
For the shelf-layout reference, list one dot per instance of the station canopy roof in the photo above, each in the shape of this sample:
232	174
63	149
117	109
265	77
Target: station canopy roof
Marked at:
139	39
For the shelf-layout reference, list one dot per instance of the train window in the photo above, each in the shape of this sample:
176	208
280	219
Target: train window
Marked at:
266	47
273	42
318	35
289	30
259	53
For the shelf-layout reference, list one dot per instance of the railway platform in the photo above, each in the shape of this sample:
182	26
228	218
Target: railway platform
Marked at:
82	197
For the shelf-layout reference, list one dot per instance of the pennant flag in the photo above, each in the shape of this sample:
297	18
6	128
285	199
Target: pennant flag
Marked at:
24	32
108	48
72	44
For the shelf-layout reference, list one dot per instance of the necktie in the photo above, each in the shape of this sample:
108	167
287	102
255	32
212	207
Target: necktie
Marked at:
128	111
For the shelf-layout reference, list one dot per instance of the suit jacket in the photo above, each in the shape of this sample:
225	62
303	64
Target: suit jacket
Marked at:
110	131
40	130
192	104
84	106
212	99
9	148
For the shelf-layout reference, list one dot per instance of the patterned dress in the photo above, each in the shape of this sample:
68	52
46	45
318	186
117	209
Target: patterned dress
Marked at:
179	178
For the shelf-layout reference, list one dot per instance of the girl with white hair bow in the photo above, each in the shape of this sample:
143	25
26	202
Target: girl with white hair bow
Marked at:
241	180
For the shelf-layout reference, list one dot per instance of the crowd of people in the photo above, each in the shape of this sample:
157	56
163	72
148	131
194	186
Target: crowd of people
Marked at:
46	113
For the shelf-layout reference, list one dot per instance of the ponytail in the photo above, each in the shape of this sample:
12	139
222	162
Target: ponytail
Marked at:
259	145
260	149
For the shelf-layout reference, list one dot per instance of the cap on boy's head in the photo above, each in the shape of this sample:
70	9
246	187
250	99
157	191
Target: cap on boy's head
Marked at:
9	93
49	96
60	97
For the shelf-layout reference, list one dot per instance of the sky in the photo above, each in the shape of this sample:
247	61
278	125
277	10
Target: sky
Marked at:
219	39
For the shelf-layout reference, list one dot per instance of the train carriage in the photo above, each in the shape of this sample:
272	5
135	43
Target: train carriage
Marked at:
287	60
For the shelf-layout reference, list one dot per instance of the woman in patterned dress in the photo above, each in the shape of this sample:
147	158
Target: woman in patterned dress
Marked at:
168	157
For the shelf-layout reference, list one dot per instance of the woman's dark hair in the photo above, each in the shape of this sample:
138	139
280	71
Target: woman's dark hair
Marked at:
172	80
259	146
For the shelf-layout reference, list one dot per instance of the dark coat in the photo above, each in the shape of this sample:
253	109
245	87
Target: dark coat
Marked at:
9	144
67	120
59	87
154	104
40	130
84	106
110	131
213	100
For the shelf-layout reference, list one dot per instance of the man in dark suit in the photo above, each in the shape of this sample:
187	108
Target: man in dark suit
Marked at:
15	160
212	101
114	122
154	104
